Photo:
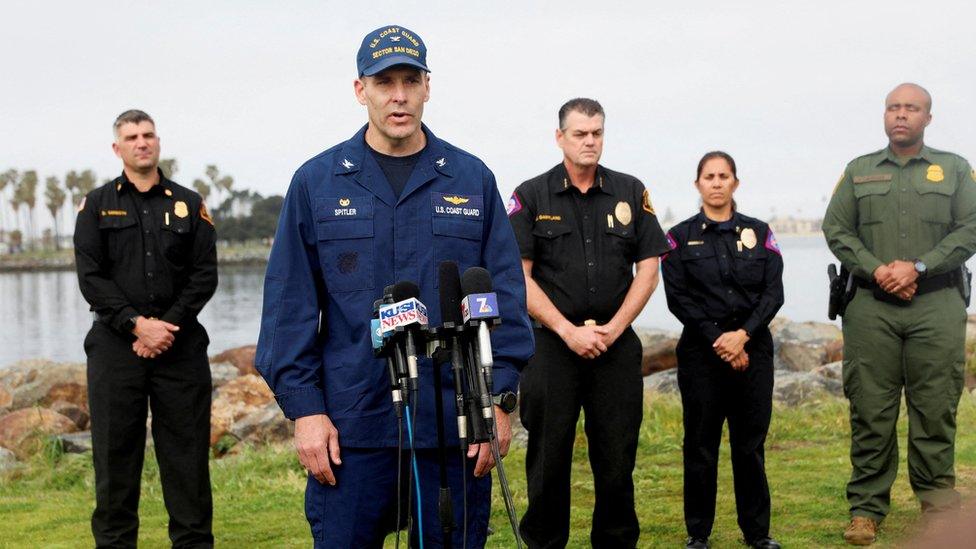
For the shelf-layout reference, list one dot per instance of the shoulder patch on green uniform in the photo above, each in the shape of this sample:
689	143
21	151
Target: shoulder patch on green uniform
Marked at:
872	178
973	174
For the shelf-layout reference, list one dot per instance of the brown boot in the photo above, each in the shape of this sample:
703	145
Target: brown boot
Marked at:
861	531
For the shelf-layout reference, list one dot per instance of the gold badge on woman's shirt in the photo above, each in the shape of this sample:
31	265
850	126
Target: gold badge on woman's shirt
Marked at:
748	237
934	173
180	210
623	213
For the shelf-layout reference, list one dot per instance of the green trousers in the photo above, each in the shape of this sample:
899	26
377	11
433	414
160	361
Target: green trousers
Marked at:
920	348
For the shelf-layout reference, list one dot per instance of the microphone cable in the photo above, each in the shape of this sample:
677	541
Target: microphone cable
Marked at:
503	481
416	477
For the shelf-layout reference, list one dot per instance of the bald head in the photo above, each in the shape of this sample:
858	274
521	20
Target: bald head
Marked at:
907	113
913	89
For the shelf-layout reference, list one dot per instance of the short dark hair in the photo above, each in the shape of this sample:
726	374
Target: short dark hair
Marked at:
131	116
589	107
717	154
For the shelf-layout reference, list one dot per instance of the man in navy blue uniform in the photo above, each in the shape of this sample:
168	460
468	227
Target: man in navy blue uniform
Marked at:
373	210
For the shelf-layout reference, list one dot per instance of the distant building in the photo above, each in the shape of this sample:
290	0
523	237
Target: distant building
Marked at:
793	225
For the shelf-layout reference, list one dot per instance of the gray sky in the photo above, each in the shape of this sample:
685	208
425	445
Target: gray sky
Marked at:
792	91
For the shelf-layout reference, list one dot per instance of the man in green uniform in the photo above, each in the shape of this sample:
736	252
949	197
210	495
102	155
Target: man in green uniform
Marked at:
903	220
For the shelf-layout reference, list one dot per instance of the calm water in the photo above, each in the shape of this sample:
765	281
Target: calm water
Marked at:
46	317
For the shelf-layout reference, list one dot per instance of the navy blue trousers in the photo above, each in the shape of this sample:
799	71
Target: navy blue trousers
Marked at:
361	509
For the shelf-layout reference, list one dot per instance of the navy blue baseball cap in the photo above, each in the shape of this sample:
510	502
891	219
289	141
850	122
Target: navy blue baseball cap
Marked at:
389	46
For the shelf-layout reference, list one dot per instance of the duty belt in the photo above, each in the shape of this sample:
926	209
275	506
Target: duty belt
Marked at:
925	285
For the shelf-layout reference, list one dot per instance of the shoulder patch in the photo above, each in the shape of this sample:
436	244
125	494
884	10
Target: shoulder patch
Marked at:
771	243
204	214
672	245
646	203
973	175
514	205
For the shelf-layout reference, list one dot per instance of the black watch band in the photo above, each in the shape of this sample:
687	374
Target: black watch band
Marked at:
130	323
507	401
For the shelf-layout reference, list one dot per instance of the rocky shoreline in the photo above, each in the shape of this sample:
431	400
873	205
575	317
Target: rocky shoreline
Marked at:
44	402
63	261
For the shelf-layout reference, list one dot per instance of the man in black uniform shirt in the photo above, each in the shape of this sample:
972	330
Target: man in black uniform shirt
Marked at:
581	228
147	264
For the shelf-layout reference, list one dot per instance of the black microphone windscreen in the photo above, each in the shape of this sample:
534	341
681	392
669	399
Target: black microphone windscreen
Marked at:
476	280
450	292
405	290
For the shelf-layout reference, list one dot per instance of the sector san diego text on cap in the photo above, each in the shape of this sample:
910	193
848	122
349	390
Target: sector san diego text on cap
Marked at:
388	46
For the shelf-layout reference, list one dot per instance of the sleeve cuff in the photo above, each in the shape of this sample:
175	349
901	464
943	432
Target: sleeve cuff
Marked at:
751	325
872	266
118	321
174	315
710	330
302	402
505	378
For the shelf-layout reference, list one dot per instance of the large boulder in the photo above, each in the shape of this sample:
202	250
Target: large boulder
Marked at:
7	459
265	424
6	399
23	431
662	382
794	388
72	411
241	357
658	350
36	381
236	399
810	333
804	346
223	372
76	443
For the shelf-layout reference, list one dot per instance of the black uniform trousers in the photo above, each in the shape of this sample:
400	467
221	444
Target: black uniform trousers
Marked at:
554	385
711	392
176	386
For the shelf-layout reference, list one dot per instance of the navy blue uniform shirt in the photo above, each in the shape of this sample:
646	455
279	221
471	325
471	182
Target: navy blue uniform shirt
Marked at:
722	276
343	236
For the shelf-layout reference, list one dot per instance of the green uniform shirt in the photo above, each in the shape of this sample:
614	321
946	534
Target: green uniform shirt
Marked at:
886	208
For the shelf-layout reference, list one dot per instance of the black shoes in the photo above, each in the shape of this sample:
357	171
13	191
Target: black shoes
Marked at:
763	543
697	543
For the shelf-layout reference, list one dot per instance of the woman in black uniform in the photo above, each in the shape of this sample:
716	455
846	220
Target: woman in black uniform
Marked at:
723	280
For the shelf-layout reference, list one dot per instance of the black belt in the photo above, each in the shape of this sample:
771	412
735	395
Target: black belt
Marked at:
925	285
537	324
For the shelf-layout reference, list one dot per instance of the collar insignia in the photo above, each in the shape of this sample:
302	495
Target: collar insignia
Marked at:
347	164
441	162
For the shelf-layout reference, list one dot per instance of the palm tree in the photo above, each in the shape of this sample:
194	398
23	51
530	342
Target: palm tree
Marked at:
217	181
86	183
169	166
8	177
202	188
27	194
54	200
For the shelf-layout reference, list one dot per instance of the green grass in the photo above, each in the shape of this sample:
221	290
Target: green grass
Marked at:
258	493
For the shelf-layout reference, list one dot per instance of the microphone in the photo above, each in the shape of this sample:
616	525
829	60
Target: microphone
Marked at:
406	315
480	304
379	349
451	324
479	309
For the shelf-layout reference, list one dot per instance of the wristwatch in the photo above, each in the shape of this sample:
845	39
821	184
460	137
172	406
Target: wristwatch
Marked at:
506	401
920	268
129	324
